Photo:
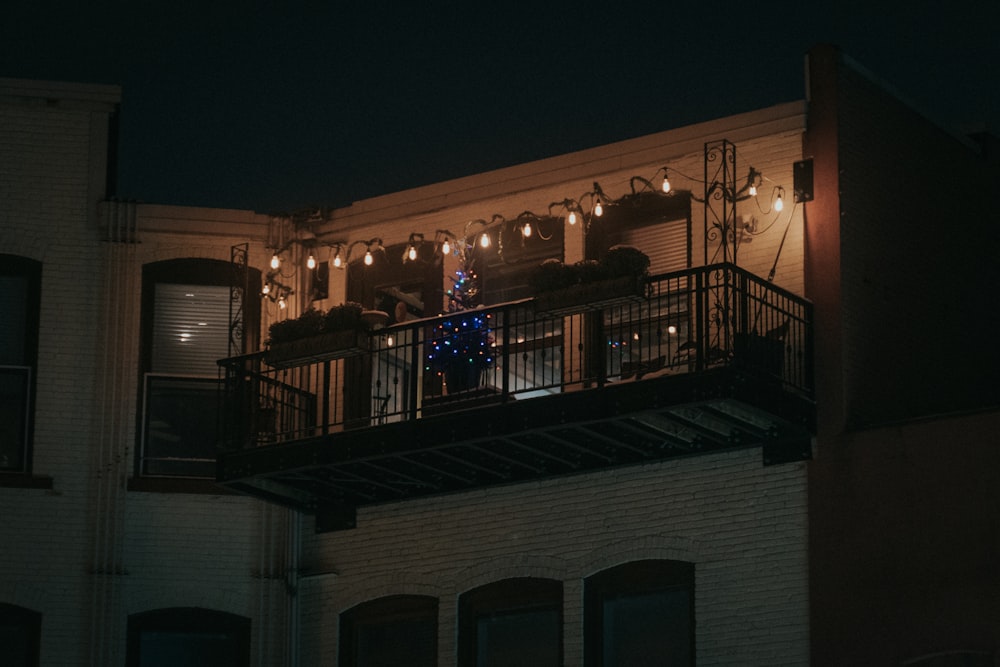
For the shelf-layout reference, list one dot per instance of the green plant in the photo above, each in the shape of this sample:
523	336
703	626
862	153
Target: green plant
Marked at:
617	262
625	260
314	322
343	317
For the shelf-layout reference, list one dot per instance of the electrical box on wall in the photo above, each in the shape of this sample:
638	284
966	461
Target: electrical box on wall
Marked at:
802	177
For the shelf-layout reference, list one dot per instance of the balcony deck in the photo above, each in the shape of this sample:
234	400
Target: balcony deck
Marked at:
697	361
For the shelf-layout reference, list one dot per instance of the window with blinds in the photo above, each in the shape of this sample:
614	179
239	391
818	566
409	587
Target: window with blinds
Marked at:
667	244
185	331
190	328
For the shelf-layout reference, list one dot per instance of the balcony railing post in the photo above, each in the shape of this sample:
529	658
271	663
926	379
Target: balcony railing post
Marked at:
701	315
417	364
505	356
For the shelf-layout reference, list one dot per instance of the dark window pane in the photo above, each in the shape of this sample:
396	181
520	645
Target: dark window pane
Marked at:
180	426
14	392
390	631
515	621
14	306
400	642
640	613
647	629
519	639
191	649
20	632
188	636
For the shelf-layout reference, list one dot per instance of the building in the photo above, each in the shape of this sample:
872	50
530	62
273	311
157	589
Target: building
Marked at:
740	460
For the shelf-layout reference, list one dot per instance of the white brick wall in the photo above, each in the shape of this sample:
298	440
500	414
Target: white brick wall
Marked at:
216	551
743	525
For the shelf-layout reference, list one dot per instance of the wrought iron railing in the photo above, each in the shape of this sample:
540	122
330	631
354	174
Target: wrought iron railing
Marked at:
683	322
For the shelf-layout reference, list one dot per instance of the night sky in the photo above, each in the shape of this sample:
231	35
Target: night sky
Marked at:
263	107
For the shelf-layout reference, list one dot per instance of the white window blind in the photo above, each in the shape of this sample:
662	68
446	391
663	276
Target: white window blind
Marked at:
190	328
666	244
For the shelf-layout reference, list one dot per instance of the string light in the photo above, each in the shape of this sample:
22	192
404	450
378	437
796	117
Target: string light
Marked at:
573	213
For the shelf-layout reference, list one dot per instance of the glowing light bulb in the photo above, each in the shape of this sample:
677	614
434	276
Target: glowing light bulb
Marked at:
484	240
267	289
275	262
337	261
572	218
753	190
445	247
281	303
311	262
598	209
526	230
389	341
411	253
368	258
666	183
778	203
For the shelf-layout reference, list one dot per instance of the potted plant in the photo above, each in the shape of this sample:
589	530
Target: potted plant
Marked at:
619	276
317	336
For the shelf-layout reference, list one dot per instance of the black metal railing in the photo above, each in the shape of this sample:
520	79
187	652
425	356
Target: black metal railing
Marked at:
684	322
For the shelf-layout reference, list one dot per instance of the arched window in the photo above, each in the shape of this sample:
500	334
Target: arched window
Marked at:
185	331
389	631
20	634
20	295
514	622
640	613
188	636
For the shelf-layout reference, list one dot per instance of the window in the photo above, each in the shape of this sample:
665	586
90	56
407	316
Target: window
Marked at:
514	622
188	636
20	633
640	613
20	292
394	630
505	276
185	330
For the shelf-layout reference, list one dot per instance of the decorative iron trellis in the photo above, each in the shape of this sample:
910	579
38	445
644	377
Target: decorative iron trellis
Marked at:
239	285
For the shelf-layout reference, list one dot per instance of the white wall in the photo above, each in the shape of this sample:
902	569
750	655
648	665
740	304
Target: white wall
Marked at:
744	527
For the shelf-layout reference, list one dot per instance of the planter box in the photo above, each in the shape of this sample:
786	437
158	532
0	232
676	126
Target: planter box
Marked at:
596	295
323	347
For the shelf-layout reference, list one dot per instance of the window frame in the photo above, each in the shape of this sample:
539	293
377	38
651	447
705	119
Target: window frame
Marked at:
383	611
31	271
185	271
503	597
633	577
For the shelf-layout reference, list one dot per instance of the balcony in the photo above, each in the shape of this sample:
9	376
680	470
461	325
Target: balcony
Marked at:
693	362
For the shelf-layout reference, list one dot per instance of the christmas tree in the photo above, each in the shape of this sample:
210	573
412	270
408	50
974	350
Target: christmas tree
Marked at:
461	345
